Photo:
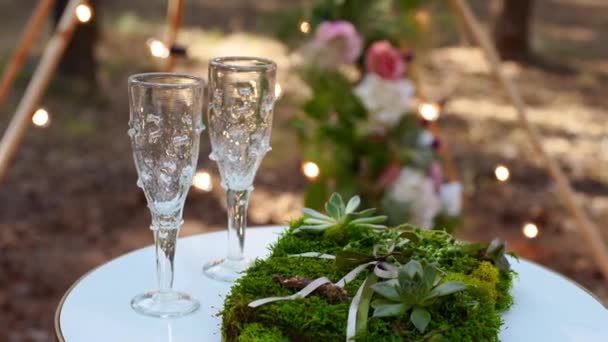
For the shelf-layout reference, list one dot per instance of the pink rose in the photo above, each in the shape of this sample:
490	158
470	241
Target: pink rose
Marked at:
341	38
385	60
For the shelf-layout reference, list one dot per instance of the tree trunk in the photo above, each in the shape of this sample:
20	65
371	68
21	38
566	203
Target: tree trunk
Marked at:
79	59
512	30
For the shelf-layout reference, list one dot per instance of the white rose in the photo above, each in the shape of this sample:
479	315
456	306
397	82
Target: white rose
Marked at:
451	198
387	100
417	191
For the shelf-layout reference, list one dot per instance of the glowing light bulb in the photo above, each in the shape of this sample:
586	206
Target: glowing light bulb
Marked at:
310	170
278	91
304	27
530	230
502	173
41	118
429	111
158	49
202	181
84	13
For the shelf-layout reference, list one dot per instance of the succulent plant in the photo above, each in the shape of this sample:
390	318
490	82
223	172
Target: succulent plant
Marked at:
495	252
340	215
416	287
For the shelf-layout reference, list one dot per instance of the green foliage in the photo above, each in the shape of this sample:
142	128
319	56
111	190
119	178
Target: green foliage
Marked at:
352	146
417	287
471	315
333	130
378	19
333	135
329	133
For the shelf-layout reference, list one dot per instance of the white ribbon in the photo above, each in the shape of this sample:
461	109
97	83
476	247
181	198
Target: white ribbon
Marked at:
382	270
310	288
313	255
386	270
350	276
351	322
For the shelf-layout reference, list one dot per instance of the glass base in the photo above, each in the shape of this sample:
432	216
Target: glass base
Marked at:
164	304
225	269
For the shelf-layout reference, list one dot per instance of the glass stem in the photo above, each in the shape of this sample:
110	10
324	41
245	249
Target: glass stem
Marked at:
165	231
237	201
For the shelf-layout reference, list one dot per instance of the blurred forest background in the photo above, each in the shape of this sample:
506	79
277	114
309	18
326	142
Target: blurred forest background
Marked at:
69	201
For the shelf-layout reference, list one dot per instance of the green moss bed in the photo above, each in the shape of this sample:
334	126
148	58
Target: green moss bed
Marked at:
469	315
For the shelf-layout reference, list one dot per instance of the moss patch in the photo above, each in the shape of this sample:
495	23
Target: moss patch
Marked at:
255	332
471	315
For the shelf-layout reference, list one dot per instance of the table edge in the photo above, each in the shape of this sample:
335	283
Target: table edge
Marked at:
58	333
60	338
57	319
572	281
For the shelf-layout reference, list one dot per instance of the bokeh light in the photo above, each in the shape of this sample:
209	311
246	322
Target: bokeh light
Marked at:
158	48
530	230
502	173
278	91
310	170
304	27
429	111
84	13
41	118
202	181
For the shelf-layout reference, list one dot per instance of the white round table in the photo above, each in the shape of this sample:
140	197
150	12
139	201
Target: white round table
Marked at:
548	307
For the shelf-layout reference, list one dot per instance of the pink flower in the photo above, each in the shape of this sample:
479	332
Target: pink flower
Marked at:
341	38
385	60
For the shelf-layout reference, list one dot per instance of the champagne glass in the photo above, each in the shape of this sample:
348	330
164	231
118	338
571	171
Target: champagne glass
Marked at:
241	100
165	126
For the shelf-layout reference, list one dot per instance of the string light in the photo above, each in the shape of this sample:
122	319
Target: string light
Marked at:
429	111
310	170
502	173
157	48
304	27
202	181
278	91
84	13
41	118
530	230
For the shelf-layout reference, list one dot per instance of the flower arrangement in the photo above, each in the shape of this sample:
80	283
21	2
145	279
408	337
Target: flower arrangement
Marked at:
359	125
344	275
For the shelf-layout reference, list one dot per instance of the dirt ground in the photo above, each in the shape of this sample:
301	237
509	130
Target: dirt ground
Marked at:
69	201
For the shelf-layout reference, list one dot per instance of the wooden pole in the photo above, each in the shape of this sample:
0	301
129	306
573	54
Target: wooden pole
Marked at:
27	38
588	229
174	18
54	49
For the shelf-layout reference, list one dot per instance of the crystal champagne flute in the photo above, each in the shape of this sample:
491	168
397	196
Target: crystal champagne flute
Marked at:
164	127
241	101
